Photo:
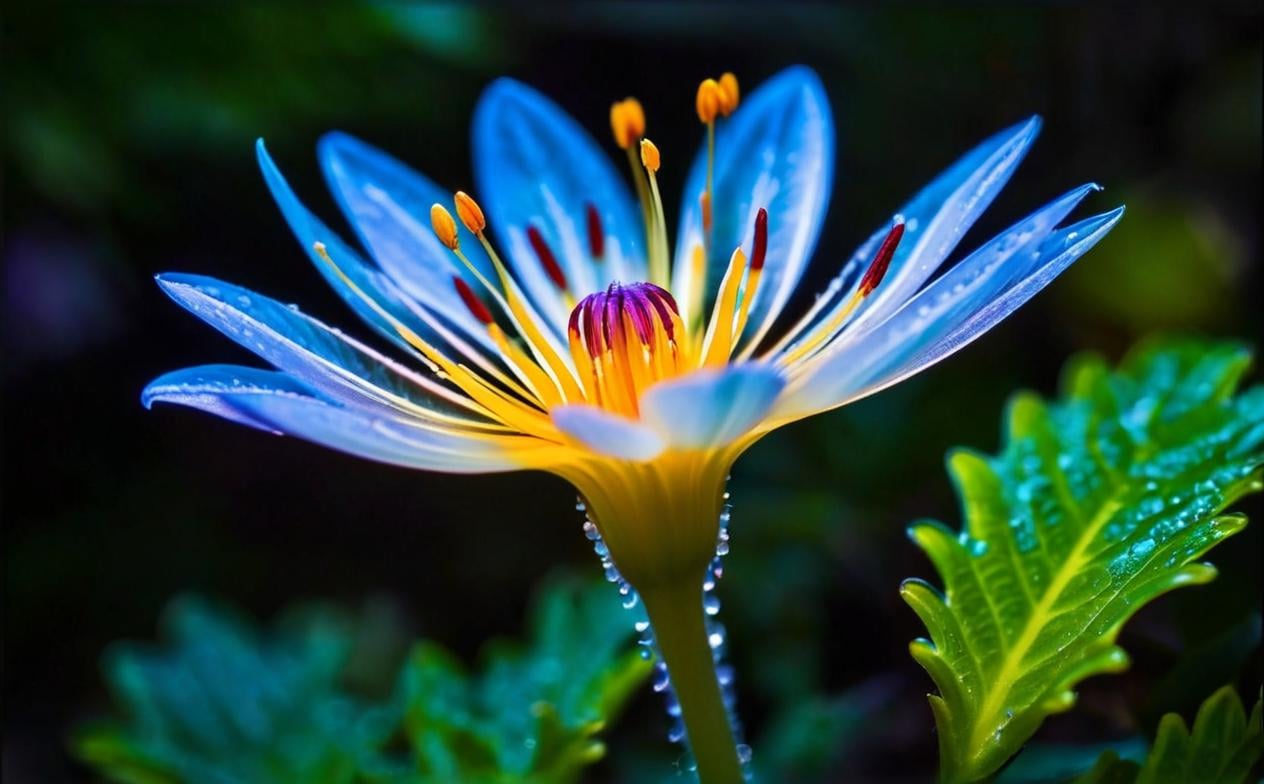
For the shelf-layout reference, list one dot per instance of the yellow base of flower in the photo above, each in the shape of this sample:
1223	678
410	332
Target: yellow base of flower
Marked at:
660	518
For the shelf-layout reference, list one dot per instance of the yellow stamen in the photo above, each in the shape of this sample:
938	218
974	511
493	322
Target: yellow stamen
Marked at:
514	304
656	230
708	100
730	92
694	290
748	296
822	332
718	343
627	121
443	225
649	156
469	212
508	301
510	411
536	378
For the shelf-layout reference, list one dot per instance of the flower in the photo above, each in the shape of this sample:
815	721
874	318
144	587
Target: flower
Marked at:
593	352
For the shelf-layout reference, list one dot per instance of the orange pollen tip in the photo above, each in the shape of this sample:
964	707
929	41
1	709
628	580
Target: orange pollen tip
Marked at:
649	155
443	225
881	260
731	93
596	233
470	213
627	121
760	249
545	254
708	100
472	302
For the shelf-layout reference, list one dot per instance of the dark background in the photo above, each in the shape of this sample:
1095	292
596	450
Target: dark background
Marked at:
127	149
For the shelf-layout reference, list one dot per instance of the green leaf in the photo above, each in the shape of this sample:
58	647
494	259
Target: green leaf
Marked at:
1098	503
224	704
535	710
1223	747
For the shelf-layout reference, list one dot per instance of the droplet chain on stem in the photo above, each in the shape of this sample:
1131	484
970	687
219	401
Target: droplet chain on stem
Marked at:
713	629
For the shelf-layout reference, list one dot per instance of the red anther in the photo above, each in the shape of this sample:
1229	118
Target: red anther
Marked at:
881	260
596	233
546	257
761	240
471	300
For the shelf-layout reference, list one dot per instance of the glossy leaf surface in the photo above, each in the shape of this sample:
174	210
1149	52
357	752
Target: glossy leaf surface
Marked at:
1097	503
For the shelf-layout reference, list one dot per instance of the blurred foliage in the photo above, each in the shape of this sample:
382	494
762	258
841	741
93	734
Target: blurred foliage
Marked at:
1177	262
222	702
74	120
1058	763
1222	748
1097	504
534	711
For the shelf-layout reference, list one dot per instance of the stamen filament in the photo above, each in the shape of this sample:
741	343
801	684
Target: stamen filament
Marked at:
759	254
718	342
657	233
496	404
525	368
696	287
824	332
643	196
510	301
527	328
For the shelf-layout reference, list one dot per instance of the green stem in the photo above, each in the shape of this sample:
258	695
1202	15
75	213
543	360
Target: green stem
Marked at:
679	624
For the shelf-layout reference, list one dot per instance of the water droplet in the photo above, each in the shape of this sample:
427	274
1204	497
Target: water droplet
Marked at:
743	753
711	604
661	679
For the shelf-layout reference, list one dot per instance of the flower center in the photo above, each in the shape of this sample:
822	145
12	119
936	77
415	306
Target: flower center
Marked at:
624	340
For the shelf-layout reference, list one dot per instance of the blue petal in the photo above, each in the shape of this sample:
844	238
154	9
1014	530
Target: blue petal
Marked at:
534	165
954	310
328	361
417	315
711	408
607	433
389	205
277	403
775	152
937	217
207	386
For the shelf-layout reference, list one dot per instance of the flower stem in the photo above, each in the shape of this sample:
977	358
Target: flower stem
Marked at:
679	624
